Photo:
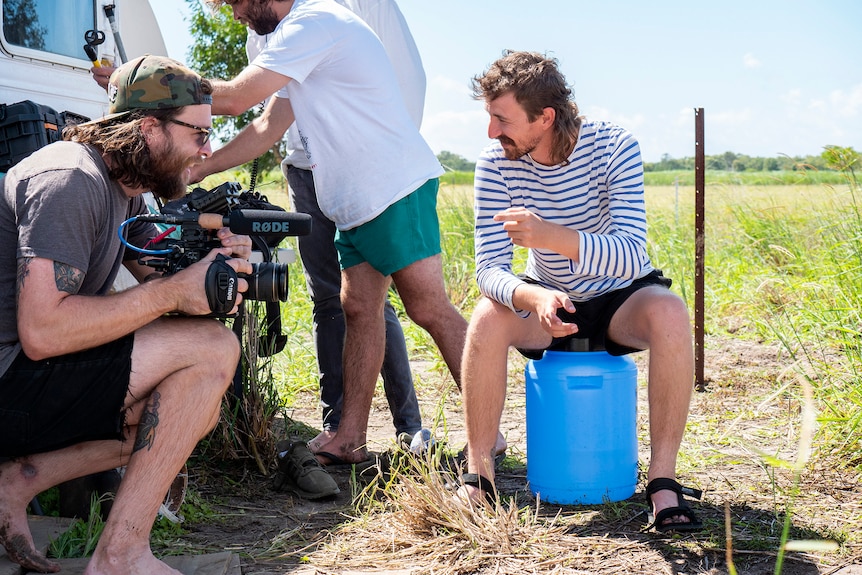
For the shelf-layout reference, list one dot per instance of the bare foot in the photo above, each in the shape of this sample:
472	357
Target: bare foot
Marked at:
332	452
16	538
322	438
477	491
664	499
500	446
471	495
144	563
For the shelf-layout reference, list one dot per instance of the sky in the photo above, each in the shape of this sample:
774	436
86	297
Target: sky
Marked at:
774	77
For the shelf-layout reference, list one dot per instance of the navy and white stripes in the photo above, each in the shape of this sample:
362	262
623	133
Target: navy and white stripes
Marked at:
599	193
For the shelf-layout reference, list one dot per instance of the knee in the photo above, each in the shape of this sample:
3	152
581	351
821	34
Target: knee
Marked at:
219	352
433	313
669	315
359	311
490	325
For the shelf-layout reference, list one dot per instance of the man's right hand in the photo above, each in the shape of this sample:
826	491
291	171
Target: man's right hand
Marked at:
191	292
101	74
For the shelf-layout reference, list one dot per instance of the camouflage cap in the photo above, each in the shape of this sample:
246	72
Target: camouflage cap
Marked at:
153	83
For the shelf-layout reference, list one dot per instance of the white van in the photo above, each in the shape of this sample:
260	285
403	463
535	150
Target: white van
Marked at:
45	68
42	56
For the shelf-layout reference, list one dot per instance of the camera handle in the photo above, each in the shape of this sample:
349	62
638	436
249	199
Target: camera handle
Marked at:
221	286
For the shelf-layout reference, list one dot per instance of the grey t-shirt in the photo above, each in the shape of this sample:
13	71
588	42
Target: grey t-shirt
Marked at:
59	204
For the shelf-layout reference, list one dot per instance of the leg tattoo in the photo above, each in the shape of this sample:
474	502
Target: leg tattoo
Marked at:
148	424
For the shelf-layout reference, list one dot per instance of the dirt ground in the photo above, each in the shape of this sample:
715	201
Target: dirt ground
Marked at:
743	418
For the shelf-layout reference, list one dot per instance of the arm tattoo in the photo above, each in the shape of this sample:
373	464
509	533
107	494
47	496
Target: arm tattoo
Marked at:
23	272
67	278
147	426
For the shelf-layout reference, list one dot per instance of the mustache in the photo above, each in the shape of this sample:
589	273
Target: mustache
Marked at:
506	140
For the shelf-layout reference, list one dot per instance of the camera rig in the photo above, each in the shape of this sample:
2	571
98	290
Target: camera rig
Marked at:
198	215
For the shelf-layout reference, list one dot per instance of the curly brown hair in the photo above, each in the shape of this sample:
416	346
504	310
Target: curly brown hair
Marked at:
123	141
537	83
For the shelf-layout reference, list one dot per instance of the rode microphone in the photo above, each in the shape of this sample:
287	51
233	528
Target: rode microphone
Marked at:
246	222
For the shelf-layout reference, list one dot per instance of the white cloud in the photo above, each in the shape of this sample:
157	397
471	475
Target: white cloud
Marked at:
632	122
792	98
749	61
847	105
444	93
464	133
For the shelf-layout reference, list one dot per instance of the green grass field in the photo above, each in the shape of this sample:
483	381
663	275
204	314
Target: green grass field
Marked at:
783	264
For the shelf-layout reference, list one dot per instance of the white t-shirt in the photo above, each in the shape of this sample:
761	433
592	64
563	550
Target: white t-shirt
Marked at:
363	147
386	20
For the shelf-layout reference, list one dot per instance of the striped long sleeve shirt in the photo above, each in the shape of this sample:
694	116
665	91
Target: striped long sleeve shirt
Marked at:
600	193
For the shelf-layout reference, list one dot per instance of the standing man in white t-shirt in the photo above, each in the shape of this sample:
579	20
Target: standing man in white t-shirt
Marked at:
374	176
317	249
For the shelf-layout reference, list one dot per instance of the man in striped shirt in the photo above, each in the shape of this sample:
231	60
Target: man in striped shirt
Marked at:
571	191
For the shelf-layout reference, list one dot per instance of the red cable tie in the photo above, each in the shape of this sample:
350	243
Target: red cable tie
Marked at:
161	236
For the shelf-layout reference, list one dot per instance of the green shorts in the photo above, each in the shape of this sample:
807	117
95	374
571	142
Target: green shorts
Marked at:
406	232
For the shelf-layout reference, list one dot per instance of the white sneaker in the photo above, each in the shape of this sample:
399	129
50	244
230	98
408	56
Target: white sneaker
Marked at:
422	442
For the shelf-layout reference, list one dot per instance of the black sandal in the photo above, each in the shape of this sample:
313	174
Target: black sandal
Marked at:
682	508
482	483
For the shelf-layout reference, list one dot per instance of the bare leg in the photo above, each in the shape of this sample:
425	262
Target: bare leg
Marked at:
423	292
363	292
23	478
420	286
182	407
656	319
173	400
493	329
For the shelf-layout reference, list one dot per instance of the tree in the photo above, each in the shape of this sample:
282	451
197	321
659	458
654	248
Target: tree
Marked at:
218	52
729	158
21	24
455	163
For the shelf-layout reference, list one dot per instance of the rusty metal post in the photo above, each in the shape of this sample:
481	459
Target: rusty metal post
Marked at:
699	247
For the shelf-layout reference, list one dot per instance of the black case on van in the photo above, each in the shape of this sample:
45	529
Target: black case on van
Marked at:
27	126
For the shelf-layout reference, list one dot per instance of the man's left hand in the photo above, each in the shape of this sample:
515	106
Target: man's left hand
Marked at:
240	245
524	228
528	230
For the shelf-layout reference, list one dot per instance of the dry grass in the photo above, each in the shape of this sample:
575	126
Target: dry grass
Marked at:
421	525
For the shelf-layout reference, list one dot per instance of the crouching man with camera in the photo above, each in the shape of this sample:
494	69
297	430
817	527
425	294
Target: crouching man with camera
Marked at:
91	380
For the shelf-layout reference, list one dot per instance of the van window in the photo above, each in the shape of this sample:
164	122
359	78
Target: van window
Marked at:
55	26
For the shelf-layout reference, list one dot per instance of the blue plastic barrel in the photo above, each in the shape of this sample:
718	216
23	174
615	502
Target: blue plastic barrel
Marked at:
581	427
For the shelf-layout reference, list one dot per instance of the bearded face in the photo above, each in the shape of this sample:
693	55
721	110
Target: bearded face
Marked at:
260	17
168	176
512	150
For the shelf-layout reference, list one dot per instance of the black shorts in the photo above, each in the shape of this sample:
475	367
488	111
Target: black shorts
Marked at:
594	316
61	401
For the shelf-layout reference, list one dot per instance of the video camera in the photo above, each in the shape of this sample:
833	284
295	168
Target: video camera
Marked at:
199	215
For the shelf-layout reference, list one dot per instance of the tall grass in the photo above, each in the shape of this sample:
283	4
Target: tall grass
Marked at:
783	264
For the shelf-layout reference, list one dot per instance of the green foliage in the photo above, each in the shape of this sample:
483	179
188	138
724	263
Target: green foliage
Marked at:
218	52
452	162
732	162
21	24
762	178
783	264
81	538
246	429
845	160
